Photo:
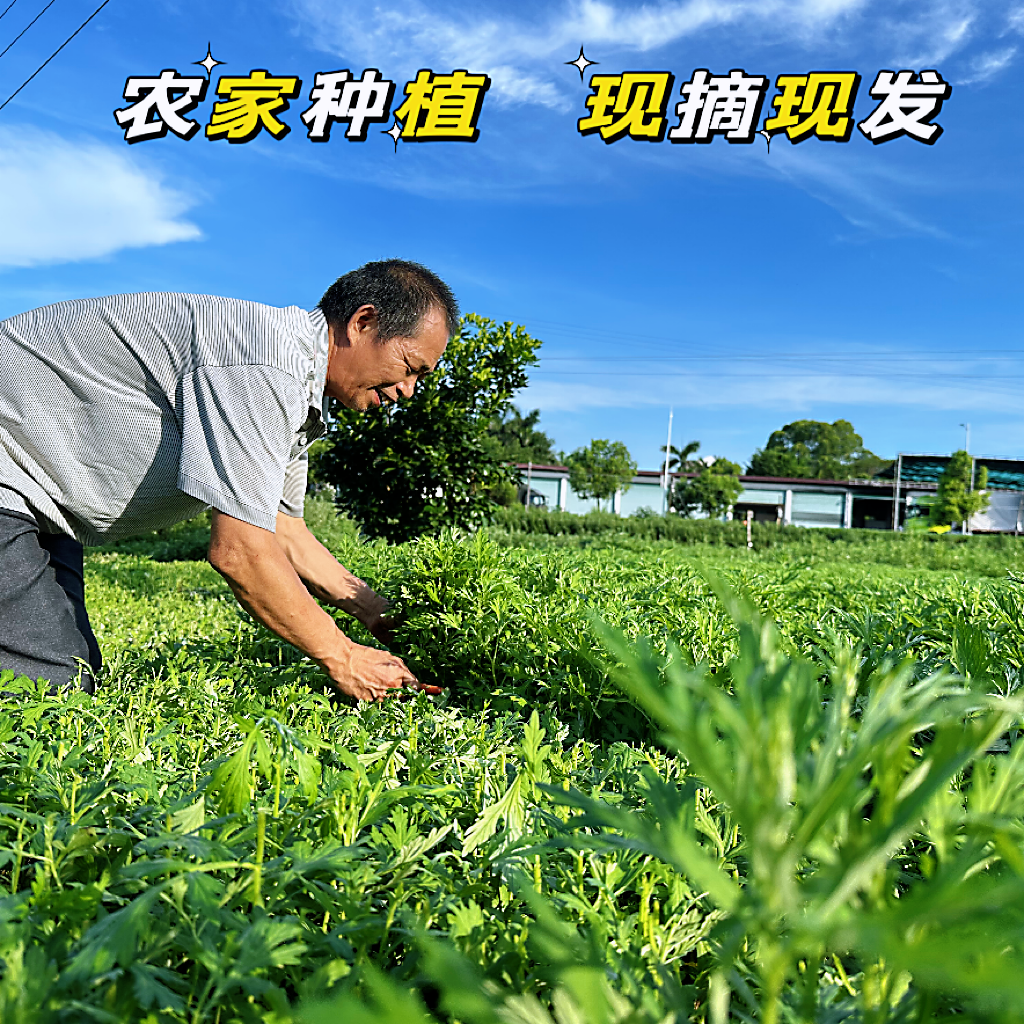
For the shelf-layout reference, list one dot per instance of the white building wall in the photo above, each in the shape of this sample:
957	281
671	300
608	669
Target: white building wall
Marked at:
548	487
641	495
574	503
1005	513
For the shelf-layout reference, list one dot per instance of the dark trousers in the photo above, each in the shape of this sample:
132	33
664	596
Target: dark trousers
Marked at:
44	627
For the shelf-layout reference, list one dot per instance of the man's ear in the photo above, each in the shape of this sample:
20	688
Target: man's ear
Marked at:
362	325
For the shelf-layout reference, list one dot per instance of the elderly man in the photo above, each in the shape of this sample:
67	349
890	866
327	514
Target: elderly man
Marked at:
124	414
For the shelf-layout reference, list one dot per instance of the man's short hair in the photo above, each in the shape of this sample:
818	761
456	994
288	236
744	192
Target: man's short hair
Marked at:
400	291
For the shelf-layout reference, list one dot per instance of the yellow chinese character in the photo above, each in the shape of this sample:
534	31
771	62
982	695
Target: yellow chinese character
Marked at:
825	97
442	107
638	97
250	105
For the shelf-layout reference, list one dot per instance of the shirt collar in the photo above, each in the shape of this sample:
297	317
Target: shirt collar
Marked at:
318	322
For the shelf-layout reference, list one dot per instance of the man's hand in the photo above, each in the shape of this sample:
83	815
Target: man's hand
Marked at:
263	580
259	571
331	582
382	629
368	674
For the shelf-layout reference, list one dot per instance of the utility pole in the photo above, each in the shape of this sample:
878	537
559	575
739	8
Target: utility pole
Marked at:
668	453
896	493
965	525
529	480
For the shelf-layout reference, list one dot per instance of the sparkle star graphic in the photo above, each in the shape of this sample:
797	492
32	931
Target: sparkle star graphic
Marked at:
581	63
208	61
767	138
395	131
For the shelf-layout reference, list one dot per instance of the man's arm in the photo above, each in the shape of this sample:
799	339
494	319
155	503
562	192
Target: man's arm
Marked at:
263	580
328	580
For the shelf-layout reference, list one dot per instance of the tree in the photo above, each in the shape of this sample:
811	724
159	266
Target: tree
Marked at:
956	501
425	463
713	490
679	458
516	438
812	448
600	469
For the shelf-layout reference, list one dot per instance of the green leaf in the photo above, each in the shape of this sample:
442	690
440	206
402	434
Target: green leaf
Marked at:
191	818
509	806
232	782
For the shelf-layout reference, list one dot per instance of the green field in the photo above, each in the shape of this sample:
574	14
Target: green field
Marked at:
638	800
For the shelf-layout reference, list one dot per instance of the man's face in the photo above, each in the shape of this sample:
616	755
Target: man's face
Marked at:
363	372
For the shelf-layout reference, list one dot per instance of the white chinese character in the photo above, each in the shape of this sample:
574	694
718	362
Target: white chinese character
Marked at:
336	97
719	105
161	102
907	106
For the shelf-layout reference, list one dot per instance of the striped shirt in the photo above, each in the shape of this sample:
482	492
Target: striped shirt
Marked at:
128	413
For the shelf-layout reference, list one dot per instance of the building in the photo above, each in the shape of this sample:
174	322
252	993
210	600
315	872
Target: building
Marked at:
911	486
1005	487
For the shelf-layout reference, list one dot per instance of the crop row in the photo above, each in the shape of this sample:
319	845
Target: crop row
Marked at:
688	814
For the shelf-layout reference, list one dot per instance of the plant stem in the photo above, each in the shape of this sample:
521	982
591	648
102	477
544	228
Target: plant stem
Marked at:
257	871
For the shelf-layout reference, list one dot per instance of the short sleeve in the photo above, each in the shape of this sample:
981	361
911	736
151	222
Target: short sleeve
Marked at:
237	427
293	497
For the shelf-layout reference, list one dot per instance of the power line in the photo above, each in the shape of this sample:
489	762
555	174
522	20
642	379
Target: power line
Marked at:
717	350
991	385
788	374
885	358
28	26
8	7
54	54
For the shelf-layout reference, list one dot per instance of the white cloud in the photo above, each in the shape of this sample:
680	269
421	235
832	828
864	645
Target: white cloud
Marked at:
529	51
526	48
523	49
63	200
864	193
892	382
877	198
873	196
791	395
987	65
570	396
924	35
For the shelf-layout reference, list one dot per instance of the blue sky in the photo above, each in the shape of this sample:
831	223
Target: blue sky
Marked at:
743	286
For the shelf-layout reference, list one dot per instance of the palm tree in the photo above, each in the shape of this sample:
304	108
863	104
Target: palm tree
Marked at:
679	458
